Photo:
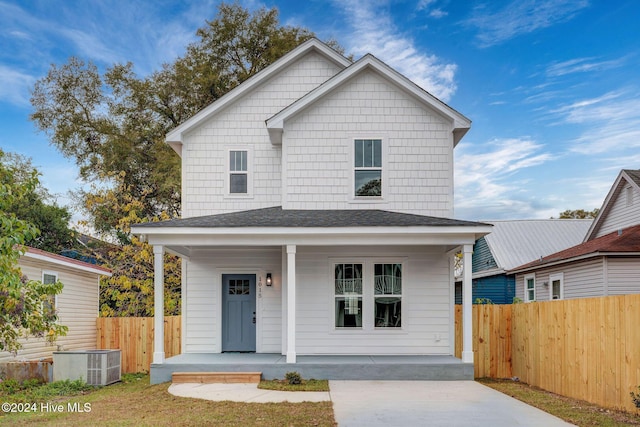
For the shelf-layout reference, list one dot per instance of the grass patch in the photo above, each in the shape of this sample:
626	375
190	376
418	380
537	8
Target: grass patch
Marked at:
137	403
575	411
306	385
34	391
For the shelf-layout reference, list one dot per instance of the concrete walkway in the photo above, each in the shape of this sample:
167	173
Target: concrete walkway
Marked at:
431	403
394	403
244	393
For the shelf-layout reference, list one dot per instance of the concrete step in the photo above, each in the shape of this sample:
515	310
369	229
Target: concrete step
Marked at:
215	377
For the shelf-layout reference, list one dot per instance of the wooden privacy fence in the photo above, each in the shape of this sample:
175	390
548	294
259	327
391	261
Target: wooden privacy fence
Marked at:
134	337
583	348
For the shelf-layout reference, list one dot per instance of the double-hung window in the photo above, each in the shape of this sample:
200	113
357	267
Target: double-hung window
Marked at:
238	172
529	288
368	168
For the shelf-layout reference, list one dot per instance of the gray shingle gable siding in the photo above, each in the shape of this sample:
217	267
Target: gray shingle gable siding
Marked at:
278	217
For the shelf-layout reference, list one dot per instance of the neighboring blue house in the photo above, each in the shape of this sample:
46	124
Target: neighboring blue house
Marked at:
513	243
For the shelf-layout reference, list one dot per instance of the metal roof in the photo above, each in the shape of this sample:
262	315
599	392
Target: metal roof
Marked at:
517	242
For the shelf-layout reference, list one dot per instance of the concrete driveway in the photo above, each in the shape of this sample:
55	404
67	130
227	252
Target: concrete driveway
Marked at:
431	403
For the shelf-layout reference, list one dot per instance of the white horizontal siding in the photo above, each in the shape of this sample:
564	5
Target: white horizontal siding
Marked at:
623	276
417	150
426	297
204	155
581	280
426	301
204	280
77	307
623	213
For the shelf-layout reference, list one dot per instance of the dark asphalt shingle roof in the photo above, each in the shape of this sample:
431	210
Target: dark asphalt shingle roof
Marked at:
278	217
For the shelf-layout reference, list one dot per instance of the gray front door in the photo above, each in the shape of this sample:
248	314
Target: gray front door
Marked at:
239	312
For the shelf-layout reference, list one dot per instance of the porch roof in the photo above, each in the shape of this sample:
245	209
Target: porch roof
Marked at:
275	226
278	217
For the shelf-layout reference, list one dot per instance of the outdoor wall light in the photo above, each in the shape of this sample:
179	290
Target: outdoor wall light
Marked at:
269	281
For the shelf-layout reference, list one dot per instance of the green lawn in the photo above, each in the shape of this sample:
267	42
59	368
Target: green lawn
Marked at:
135	402
573	411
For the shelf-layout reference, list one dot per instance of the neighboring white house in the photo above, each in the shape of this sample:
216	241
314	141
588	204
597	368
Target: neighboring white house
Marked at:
77	304
607	262
317	199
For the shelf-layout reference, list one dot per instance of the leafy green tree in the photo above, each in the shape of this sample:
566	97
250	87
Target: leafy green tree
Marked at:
130	289
579	214
23	303
36	207
114	124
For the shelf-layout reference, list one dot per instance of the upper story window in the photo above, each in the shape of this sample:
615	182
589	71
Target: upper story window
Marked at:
368	168
629	193
238	172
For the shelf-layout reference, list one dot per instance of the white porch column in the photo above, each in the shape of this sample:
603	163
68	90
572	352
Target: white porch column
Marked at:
467	305
291	303
158	304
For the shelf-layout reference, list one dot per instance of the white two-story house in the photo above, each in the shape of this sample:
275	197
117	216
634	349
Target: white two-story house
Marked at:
317	222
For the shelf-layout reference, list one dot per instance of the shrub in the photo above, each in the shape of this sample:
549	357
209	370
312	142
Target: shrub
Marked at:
293	378
636	398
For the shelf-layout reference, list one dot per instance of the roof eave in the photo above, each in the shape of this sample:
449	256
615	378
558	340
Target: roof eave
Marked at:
460	123
252	236
69	264
597	254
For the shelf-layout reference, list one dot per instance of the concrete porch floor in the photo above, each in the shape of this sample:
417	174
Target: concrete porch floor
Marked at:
330	367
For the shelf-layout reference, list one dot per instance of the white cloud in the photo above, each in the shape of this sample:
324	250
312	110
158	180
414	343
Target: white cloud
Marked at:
521	17
488	183
581	65
611	122
433	12
373	31
15	86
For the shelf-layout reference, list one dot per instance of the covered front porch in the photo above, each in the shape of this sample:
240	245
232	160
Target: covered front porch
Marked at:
357	367
301	319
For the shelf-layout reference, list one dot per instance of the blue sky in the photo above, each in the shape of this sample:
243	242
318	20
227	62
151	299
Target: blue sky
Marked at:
552	86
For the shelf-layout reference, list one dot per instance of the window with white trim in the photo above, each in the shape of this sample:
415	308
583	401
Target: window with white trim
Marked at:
238	172
387	295
368	168
368	295
556	286
629	194
530	288
348	295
